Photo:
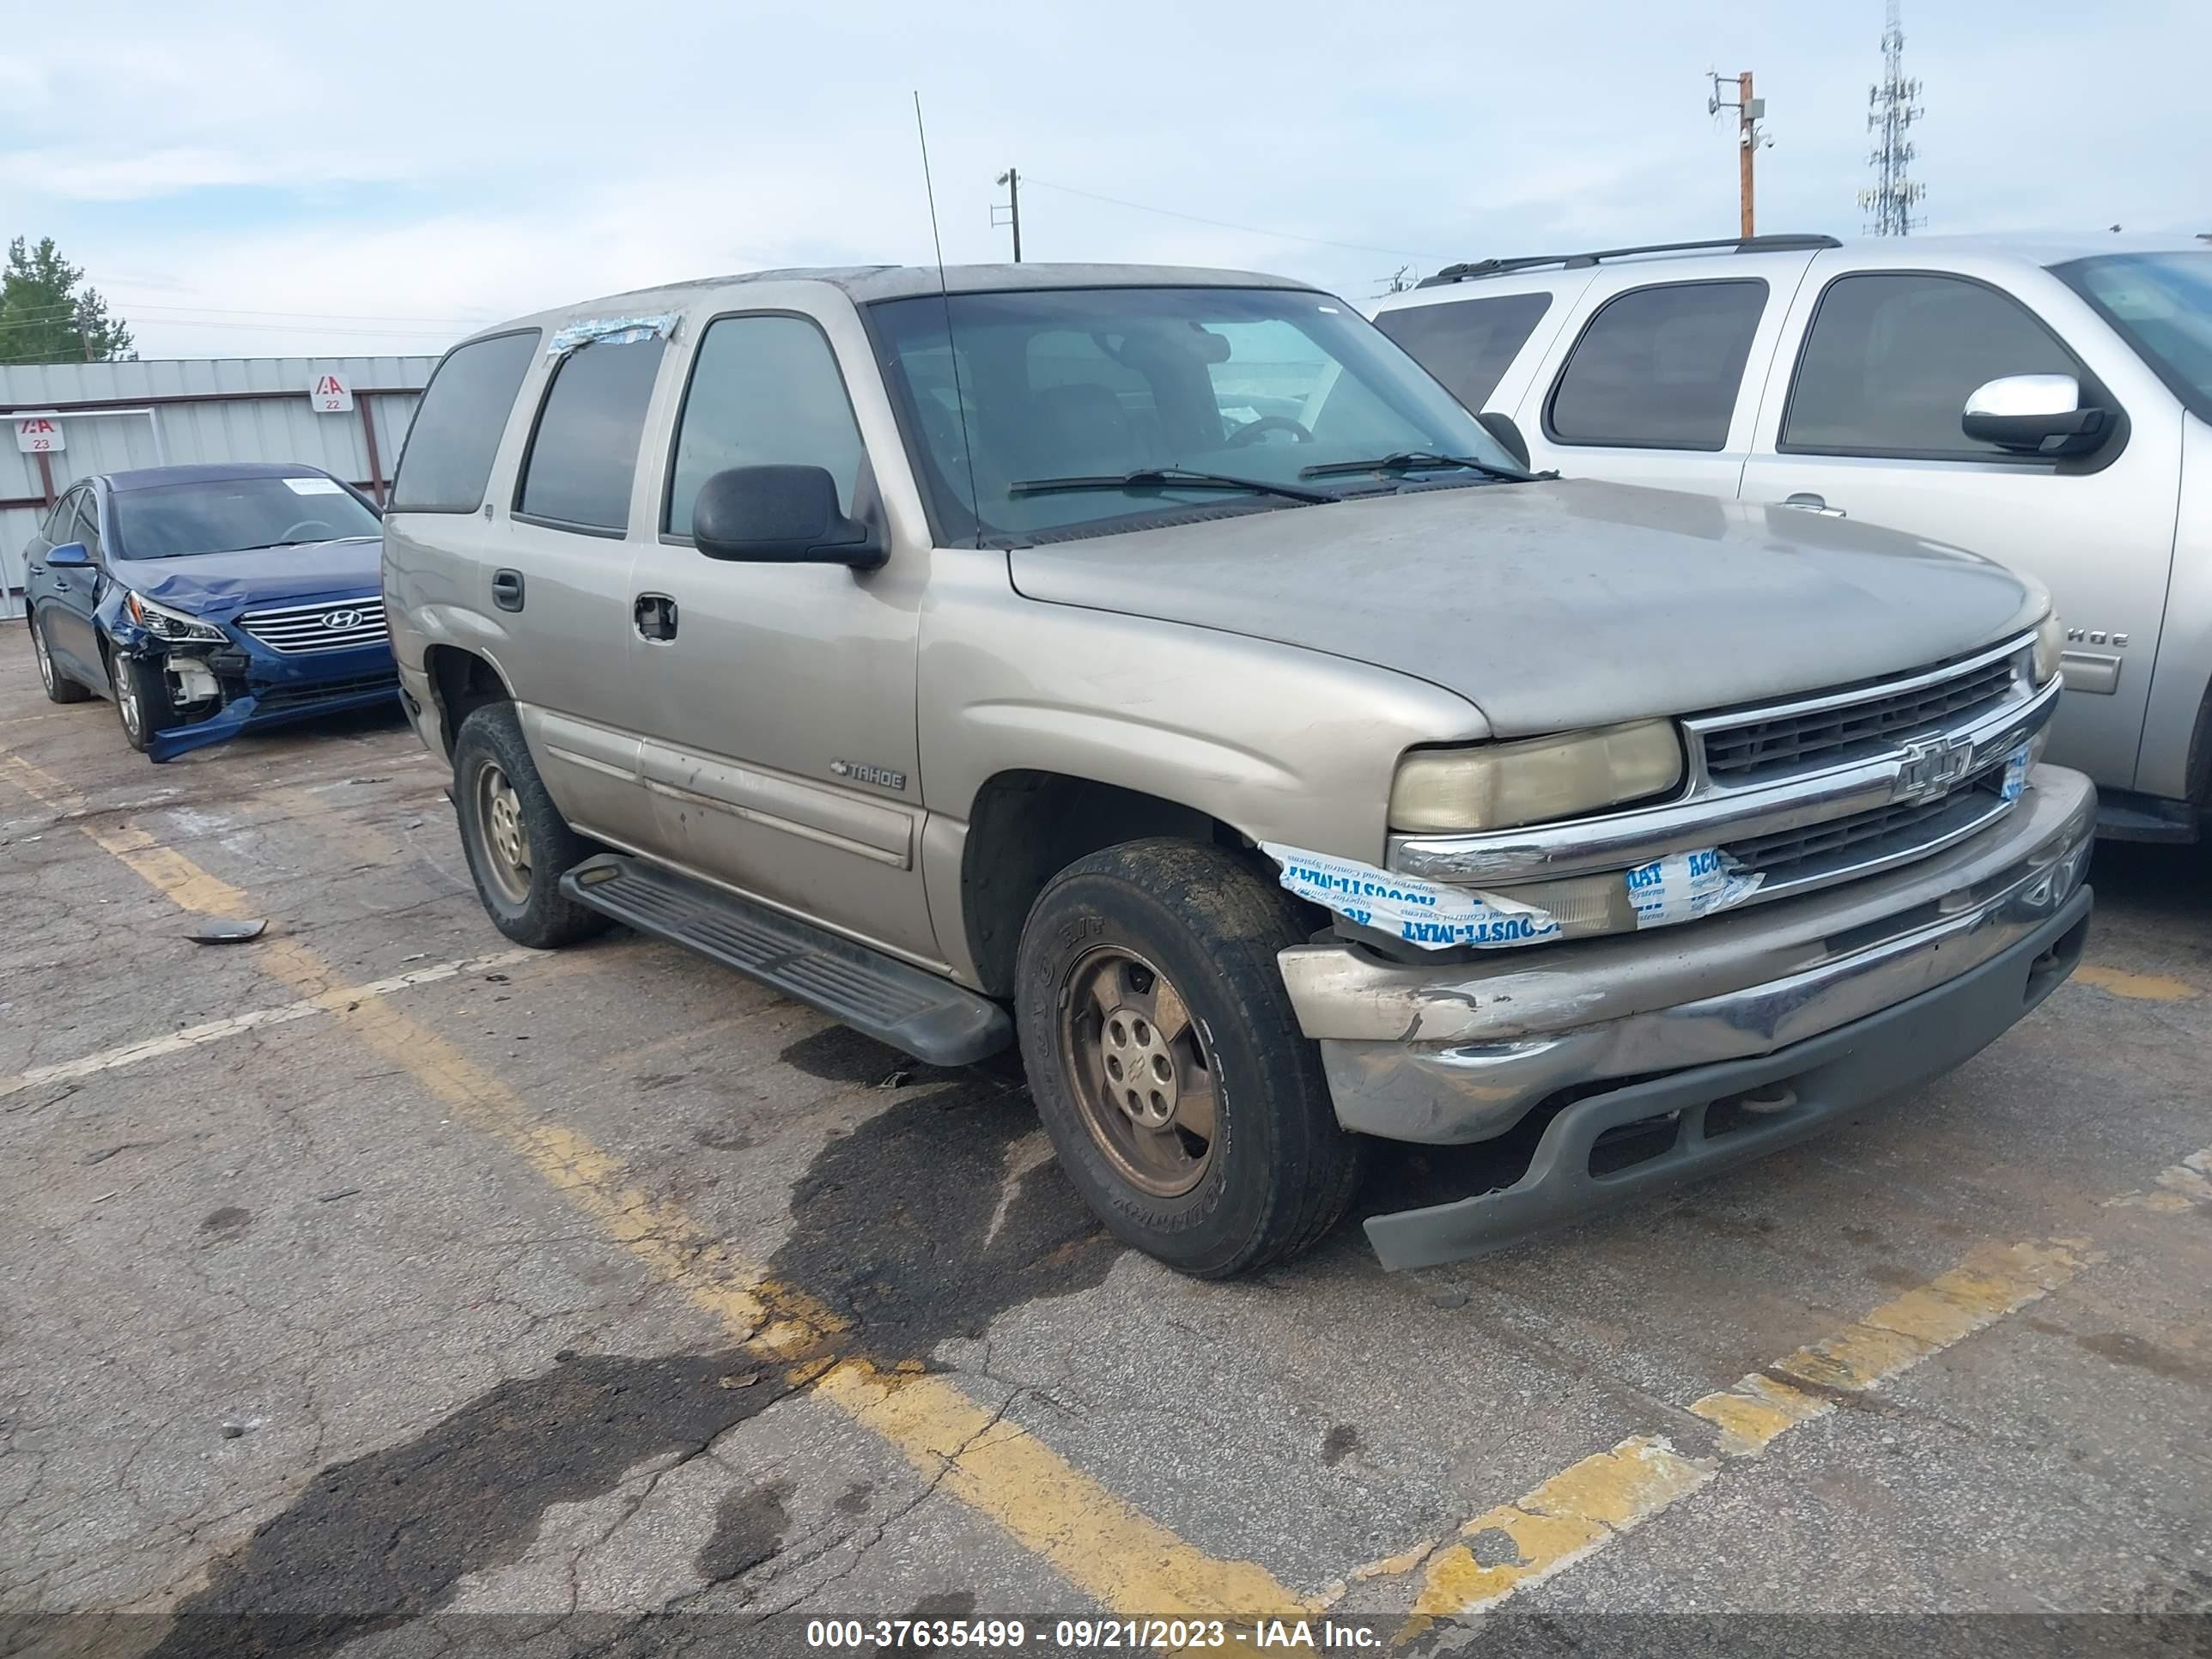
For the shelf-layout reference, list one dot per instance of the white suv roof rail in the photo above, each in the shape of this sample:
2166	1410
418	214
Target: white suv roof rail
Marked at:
1781	244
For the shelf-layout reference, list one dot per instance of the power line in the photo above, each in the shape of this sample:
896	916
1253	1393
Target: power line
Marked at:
1223	224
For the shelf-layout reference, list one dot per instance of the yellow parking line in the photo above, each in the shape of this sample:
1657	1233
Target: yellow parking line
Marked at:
1121	1558
1581	1510
2136	988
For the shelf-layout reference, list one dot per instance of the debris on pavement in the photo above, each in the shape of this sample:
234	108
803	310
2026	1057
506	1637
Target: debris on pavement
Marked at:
216	930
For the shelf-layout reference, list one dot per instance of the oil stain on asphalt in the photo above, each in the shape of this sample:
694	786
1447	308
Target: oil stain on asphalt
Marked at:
897	1225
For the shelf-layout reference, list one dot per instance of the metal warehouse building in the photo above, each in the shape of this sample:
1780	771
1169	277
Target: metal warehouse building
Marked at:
107	417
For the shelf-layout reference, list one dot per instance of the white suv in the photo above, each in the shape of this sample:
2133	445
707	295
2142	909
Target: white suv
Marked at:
2045	401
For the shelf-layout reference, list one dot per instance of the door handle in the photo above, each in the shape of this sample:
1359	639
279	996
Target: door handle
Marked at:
1805	501
656	616
506	589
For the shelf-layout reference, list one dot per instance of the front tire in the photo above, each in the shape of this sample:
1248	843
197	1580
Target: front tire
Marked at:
142	699
59	687
1184	1102
519	846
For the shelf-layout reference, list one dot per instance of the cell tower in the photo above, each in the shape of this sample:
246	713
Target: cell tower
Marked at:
1890	111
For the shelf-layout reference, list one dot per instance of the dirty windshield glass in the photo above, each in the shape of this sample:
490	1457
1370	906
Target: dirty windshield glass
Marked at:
1054	398
229	515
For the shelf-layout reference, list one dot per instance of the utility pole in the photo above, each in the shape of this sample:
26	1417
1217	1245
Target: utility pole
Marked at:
1750	112
1013	209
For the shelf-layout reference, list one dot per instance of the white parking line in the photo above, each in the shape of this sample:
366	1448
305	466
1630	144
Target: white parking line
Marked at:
215	1030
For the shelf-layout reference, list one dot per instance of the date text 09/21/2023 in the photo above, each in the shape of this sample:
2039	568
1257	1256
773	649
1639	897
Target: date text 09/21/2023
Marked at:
1091	1635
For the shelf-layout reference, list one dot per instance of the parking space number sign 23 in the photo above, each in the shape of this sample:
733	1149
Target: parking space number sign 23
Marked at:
330	395
40	435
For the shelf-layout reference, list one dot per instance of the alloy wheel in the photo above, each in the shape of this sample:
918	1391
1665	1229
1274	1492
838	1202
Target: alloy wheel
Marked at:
1140	1069
506	845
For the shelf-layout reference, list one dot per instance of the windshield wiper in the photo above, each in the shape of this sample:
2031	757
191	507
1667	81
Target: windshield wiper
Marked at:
1415	460
1166	478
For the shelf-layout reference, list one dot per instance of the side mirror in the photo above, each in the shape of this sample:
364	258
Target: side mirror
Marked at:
1509	437
2034	414
69	555
780	515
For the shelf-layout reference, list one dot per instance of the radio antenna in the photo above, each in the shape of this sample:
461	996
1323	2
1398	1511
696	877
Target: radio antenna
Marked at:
951	346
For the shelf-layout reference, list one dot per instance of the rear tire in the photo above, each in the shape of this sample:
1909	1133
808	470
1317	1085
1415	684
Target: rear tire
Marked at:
519	846
1153	962
59	687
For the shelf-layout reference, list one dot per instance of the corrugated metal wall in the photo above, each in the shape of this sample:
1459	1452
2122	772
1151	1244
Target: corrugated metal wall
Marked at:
215	408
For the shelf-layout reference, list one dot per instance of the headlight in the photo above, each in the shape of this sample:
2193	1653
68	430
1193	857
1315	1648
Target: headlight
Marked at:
2049	643
166	623
1500	785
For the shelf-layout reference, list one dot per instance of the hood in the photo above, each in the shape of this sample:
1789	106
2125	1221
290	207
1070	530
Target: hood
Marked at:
219	583
1560	605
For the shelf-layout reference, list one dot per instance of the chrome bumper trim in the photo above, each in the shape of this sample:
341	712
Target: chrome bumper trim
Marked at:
1460	1052
1709	819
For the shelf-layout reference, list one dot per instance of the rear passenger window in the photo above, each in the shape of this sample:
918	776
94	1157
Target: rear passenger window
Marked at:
457	426
1890	362
765	391
1658	368
584	453
1467	343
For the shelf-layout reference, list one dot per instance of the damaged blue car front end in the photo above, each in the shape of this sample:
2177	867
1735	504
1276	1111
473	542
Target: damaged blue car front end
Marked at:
241	644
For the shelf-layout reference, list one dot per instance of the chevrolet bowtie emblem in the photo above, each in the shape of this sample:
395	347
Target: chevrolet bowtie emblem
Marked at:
1931	766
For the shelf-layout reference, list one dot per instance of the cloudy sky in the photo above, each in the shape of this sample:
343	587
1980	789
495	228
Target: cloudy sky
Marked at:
381	176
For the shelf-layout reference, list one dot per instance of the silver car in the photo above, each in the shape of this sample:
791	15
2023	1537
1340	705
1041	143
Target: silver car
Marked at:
2045	400
1158	670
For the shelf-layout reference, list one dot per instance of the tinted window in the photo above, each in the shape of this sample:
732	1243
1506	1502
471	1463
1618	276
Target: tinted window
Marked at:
87	527
1467	343
584	453
765	391
55	526
231	515
1890	360
1658	369
457	426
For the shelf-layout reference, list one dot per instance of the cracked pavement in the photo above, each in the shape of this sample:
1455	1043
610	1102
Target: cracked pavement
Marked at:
297	1356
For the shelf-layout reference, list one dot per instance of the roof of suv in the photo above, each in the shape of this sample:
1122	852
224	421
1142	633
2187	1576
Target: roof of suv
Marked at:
865	284
2034	247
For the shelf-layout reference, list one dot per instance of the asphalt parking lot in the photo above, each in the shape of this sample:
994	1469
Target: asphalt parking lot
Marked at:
391	1285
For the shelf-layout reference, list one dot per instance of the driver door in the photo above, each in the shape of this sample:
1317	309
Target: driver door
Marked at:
1863	421
70	594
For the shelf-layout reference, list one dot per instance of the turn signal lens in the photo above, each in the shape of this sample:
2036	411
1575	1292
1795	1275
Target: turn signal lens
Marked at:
1499	786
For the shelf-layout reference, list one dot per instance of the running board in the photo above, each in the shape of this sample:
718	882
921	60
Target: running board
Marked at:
931	1018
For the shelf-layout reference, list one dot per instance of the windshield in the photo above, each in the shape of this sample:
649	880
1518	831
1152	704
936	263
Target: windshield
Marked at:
229	515
2161	303
1269	390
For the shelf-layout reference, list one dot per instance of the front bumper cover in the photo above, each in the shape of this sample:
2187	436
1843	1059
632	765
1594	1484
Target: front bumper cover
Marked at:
259	688
1812	994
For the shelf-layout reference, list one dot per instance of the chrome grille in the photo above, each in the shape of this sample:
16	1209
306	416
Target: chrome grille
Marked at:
333	625
1866	842
1740	754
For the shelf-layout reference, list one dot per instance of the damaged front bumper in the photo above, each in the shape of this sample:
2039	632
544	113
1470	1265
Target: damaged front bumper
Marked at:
1741	1033
218	690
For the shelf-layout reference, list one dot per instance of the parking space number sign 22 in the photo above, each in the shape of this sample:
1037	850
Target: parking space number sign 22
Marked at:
40	435
330	395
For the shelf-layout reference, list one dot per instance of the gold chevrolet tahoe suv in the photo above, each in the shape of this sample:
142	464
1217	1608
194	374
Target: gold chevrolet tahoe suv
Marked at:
1157	669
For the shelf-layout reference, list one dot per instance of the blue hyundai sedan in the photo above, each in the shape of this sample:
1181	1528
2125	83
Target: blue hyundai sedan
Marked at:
205	601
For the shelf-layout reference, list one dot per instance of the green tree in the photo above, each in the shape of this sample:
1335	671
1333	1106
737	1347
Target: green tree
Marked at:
48	316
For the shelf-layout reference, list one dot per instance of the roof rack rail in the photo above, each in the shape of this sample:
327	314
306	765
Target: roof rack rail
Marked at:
1784	244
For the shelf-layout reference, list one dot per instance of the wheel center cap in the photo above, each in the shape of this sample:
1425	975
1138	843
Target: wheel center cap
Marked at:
1141	1073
